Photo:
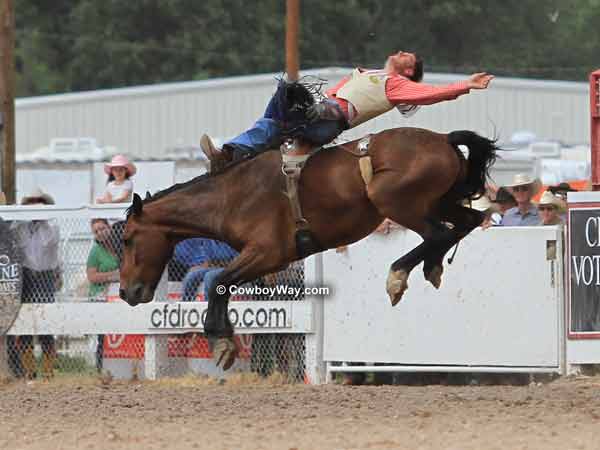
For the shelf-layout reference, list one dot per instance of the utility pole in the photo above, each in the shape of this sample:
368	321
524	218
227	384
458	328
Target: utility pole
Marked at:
292	65
7	99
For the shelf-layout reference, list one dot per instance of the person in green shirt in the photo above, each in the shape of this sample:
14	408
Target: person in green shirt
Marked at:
102	269
102	262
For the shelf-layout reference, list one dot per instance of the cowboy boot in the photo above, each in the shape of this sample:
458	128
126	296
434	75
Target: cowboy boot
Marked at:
218	158
28	362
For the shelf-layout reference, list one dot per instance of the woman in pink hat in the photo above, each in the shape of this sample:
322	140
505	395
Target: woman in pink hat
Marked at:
119	187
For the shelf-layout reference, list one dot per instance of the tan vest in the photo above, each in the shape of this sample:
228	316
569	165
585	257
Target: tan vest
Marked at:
366	92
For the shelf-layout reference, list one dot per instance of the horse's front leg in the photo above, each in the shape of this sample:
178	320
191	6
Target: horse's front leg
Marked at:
249	265
217	326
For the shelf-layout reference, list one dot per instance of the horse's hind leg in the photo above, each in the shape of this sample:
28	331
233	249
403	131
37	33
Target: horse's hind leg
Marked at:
432	250
433	262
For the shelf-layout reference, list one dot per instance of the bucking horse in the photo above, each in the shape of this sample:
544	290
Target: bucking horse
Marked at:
418	178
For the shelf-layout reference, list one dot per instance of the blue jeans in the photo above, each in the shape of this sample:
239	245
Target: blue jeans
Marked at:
192	281
268	132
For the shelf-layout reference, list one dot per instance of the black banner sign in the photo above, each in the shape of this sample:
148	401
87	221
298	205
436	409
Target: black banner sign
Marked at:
584	269
10	278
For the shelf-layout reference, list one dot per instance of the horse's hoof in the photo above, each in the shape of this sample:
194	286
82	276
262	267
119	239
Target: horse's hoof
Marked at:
396	285
435	276
225	352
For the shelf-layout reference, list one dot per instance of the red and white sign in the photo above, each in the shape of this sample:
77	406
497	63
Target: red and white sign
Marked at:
128	346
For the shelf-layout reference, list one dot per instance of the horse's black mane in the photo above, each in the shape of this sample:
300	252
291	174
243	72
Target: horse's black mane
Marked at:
194	181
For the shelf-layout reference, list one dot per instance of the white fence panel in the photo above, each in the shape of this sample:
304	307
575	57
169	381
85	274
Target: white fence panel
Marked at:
249	317
500	303
87	332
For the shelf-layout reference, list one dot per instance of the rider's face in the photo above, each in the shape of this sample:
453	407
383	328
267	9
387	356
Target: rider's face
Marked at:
402	63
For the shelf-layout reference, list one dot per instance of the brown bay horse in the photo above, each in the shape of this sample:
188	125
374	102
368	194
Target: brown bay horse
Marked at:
420	180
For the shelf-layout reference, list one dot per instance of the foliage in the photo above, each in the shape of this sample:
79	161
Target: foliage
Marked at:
72	45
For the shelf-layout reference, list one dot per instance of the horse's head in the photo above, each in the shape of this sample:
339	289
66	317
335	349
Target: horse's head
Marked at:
146	251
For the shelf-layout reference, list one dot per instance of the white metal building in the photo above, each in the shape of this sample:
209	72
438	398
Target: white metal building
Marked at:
144	121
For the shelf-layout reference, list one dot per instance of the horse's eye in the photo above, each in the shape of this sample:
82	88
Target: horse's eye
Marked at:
127	242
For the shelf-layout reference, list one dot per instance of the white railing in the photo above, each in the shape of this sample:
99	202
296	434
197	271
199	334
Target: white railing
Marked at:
162	320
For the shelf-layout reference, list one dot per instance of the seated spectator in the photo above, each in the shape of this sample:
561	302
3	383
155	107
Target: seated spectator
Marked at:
550	208
504	200
561	190
102	269
525	213
492	217
202	258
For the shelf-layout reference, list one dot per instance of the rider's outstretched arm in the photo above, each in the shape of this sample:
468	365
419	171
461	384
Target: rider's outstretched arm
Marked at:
400	90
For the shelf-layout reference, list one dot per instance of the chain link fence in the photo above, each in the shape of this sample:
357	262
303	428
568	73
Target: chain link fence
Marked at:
75	259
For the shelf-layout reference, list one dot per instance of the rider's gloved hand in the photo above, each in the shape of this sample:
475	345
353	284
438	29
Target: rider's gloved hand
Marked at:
315	111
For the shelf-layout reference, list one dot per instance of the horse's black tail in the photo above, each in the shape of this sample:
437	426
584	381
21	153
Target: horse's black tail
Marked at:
482	155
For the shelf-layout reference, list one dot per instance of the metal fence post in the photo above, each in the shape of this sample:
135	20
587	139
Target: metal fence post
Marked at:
315	366
156	358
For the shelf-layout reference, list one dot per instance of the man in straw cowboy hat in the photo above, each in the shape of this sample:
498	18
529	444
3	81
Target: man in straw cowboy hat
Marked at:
38	241
550	208
523	188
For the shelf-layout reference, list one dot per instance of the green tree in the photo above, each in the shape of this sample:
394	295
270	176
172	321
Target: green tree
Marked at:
72	45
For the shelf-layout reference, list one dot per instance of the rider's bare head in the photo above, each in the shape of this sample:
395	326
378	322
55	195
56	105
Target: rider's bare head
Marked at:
409	65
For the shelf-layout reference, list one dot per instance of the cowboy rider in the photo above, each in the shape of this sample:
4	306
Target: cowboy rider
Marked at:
363	95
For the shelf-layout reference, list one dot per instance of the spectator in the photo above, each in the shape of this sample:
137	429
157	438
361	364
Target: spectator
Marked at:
525	213
561	190
200	257
492	217
102	269
119	187
550	208
38	242
504	200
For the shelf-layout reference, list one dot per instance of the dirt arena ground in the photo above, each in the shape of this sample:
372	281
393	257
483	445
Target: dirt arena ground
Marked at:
199	414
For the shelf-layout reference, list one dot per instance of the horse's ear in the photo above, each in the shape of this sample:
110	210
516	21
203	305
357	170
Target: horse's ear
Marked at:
136	205
148	195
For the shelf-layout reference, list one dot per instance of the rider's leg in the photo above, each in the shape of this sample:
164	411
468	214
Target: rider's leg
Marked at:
191	282
323	132
276	107
261	136
209	280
